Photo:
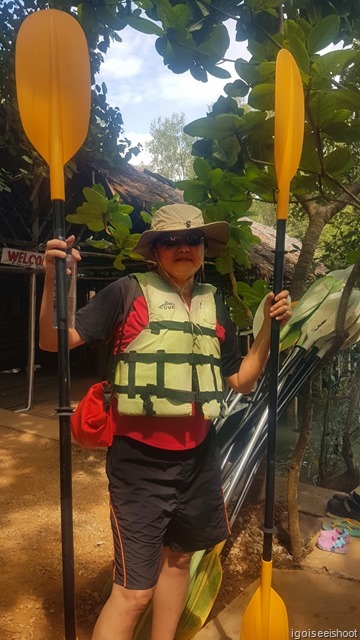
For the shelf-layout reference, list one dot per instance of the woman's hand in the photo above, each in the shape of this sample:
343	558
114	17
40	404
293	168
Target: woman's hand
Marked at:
59	249
278	307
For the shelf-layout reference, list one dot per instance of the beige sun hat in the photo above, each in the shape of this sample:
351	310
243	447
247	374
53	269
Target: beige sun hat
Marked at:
183	218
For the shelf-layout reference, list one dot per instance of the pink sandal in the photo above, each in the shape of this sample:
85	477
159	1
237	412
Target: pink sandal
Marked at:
337	532
333	543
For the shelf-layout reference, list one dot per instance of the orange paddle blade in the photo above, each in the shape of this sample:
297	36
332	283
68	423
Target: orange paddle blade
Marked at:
53	85
289	126
265	617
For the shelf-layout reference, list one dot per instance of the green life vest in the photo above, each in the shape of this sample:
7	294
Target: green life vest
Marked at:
175	359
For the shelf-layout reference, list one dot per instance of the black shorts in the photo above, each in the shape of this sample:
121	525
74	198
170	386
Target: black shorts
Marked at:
159	499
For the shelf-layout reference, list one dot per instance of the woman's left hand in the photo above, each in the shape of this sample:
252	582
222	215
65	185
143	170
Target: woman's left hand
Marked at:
278	307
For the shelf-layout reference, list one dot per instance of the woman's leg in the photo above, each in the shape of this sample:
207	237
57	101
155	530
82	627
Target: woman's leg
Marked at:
120	614
169	595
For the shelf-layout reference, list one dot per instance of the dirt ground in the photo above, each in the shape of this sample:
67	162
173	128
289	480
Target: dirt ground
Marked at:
31	605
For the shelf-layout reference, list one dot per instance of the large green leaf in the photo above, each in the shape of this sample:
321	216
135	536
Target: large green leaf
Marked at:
202	169
246	70
342	132
338	161
323	33
327	66
253	295
236	89
309	158
145	26
292	28
213	128
262	97
298	50
96	199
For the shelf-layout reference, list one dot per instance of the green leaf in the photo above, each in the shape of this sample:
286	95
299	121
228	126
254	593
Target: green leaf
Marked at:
118	262
132	241
247	71
213	128
262	97
202	169
146	217
338	161
120	234
99	188
292	28
145	26
266	72
236	89
353	256
217	72
323	33
329	65
253	295
119	219
298	50
215	177
97	201
100	244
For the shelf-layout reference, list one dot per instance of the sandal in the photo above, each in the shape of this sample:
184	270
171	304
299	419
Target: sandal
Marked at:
328	543
336	532
347	508
352	526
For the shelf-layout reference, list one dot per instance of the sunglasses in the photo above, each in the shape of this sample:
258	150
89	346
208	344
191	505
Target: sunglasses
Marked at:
176	241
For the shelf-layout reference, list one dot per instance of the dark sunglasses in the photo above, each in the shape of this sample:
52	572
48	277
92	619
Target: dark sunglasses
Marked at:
177	241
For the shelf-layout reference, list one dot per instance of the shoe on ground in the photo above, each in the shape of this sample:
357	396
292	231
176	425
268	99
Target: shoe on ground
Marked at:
346	508
353	495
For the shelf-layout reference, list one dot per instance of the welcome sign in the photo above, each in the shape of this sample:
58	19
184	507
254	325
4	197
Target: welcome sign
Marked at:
19	258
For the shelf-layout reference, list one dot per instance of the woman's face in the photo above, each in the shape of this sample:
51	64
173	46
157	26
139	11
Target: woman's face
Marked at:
181	256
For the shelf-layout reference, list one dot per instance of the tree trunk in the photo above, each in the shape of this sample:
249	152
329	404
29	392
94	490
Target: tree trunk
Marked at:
294	474
306	257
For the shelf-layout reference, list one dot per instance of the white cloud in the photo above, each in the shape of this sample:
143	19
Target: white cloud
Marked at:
144	89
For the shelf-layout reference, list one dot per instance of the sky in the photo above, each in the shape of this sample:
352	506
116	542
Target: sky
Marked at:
143	88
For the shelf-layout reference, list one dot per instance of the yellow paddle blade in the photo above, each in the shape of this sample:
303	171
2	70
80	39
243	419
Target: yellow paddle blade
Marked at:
265	617
289	126
53	85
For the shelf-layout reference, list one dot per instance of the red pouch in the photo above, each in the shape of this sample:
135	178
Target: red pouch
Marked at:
92	424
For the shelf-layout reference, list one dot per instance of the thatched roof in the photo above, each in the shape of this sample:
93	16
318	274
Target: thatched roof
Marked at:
26	217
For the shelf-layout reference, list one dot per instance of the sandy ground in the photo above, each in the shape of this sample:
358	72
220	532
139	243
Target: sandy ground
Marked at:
31	601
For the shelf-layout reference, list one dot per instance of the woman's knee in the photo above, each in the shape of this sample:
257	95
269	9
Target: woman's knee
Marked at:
135	600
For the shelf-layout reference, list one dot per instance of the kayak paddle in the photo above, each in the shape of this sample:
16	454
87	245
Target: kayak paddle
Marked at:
53	88
265	617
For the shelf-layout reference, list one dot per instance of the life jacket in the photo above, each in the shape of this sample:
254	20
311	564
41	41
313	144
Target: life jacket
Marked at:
175	359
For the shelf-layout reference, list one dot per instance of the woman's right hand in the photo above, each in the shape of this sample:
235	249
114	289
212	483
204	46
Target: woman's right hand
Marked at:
59	249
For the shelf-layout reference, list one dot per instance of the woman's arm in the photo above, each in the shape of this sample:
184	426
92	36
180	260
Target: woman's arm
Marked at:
244	380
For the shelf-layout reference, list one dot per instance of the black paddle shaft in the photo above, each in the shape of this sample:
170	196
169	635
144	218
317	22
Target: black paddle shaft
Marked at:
64	412
273	395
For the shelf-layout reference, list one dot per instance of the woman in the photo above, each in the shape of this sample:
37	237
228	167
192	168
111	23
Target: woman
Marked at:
176	352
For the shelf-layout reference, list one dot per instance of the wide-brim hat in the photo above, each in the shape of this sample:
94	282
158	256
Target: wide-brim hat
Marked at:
182	218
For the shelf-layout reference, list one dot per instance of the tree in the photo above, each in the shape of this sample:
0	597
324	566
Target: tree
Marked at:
170	148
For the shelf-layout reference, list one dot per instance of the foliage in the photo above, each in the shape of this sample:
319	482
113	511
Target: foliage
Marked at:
99	214
339	243
18	159
170	148
234	162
